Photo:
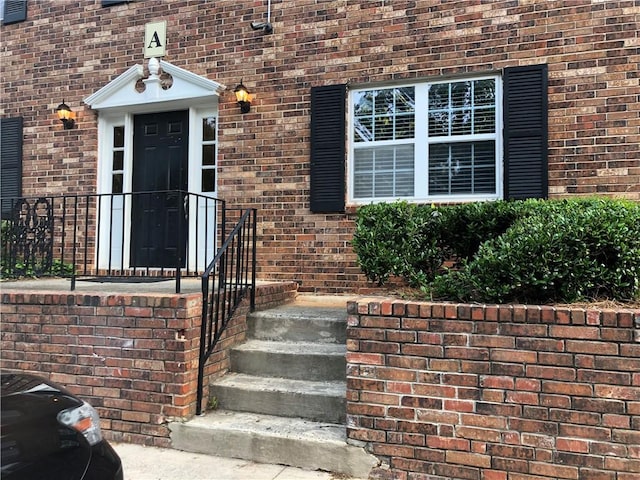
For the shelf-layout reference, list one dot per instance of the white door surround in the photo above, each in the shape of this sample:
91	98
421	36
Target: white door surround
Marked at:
167	88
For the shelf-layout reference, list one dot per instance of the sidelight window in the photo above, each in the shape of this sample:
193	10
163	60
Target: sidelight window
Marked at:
208	145
117	160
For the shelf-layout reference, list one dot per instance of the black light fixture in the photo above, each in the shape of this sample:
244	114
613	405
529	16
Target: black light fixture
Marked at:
266	27
243	97
66	116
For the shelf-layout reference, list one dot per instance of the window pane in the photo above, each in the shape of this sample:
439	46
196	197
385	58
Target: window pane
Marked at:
117	183
438	123
405	127
460	95
209	129
209	180
484	92
363	103
462	168
383	128
118	137
384	172
208	155
438	169
461	122
404	182
118	160
363	173
383	163
174	127
363	128
405	100
439	97
383	101
386	114
484	167
484	120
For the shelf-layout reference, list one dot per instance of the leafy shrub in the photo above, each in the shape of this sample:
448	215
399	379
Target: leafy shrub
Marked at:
527	251
398	239
559	251
412	241
466	226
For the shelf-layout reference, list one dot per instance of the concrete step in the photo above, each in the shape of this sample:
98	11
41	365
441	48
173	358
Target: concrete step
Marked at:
299	360
300	323
267	439
318	401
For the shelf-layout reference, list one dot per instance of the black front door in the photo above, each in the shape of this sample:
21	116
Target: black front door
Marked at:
160	163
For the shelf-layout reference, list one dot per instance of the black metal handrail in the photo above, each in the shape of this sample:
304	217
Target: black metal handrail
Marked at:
225	283
93	235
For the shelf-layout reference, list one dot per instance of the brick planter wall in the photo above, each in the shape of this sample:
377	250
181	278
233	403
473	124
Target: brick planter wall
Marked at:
482	392
132	356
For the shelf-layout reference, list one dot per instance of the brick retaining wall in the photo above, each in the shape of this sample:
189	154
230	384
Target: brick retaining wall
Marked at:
132	356
479	392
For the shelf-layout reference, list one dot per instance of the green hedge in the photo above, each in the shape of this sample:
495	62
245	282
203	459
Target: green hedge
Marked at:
399	239
526	251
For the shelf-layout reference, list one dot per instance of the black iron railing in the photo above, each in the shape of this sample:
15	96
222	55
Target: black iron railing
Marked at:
161	234
225	283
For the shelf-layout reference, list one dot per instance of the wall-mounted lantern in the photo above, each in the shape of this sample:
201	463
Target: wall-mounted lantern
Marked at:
243	97
66	116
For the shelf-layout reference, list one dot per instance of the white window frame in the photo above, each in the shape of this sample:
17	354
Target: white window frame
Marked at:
421	142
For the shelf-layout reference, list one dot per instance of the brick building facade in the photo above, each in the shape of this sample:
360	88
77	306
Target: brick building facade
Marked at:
354	101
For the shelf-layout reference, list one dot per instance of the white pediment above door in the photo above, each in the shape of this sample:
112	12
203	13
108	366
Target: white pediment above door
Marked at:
166	87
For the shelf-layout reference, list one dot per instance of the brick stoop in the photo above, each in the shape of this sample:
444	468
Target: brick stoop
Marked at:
284	398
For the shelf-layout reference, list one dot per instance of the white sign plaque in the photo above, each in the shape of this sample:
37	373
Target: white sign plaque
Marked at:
155	39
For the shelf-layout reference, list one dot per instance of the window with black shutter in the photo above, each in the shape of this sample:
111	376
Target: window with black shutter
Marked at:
450	140
10	161
14	11
328	124
525	132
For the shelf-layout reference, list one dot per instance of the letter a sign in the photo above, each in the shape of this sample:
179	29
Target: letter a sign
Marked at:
155	39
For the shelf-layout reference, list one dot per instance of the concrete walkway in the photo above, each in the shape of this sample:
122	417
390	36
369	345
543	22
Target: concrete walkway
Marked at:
152	463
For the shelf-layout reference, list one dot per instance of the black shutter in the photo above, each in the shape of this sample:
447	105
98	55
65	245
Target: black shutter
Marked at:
328	148
525	132
10	161
14	11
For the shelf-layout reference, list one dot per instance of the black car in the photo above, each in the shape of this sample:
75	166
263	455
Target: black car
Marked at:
48	433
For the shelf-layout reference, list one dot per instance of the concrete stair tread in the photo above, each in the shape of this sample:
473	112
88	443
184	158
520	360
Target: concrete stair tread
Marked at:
270	439
297	348
304	313
274	384
270	425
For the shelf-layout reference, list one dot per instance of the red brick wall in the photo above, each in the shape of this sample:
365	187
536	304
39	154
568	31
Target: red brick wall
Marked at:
68	50
133	357
495	392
